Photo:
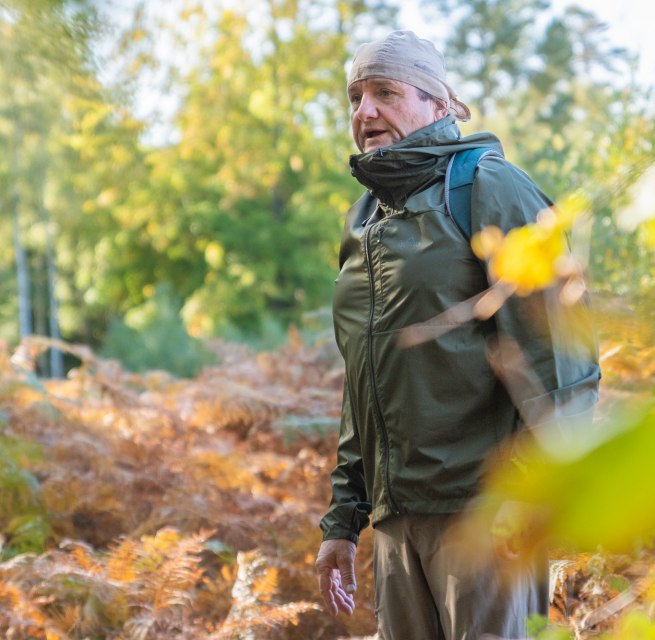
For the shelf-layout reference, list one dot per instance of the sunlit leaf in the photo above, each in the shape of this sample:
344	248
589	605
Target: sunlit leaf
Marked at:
595	494
527	256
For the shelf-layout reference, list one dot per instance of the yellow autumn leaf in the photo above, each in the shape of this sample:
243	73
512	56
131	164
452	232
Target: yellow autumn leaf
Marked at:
533	256
487	242
164	540
648	233
527	258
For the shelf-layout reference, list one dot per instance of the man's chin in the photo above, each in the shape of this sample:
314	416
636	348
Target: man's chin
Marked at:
373	144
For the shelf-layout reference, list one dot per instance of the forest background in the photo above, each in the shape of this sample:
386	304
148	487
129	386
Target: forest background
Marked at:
188	245
220	215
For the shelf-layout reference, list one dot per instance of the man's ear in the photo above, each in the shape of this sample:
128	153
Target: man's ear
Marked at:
440	110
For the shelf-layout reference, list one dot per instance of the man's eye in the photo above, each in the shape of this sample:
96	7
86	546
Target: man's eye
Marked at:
355	99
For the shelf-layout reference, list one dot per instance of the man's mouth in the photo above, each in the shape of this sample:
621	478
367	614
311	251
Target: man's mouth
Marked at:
373	133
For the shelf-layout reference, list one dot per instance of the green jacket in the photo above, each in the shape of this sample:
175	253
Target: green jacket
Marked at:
418	423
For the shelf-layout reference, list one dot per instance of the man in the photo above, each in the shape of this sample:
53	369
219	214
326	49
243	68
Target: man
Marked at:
419	422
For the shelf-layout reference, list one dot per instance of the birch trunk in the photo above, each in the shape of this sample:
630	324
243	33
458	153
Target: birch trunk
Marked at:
22	265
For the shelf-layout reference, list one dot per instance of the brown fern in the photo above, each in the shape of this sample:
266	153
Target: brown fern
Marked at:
20	618
258	624
254	609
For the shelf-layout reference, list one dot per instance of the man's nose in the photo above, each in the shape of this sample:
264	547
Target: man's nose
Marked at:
367	109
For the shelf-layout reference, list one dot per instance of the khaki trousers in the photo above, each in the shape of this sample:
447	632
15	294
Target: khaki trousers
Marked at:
430	585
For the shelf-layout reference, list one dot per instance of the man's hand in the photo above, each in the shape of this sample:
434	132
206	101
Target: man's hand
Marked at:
335	565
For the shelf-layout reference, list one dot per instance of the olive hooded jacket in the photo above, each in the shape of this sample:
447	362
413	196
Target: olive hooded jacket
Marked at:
419	422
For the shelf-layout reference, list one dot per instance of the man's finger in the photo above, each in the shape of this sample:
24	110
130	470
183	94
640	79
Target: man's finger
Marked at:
345	602
325	584
346	565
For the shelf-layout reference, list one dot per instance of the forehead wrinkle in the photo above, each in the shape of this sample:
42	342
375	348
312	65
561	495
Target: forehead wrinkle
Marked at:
377	82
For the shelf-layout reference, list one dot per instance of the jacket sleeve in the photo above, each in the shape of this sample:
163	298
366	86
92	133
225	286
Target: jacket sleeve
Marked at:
546	351
349	509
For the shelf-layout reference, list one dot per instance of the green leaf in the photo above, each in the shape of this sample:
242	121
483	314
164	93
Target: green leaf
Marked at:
603	496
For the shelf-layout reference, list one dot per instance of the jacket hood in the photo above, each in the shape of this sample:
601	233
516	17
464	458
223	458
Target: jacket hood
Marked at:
394	173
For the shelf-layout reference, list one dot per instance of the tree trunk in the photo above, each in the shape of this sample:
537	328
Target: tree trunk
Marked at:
22	266
56	356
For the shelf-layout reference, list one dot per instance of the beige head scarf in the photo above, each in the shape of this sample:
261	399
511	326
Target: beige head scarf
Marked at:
405	57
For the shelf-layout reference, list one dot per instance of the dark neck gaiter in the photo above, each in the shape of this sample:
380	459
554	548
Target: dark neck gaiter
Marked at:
394	173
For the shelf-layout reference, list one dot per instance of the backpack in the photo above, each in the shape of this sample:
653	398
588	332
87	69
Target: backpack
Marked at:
460	174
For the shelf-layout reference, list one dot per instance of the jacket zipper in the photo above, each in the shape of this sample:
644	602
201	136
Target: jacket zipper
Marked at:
376	400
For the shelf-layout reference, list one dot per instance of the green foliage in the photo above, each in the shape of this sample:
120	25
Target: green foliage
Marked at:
539	629
239	209
636	624
45	64
594	485
261	190
27	533
269	334
241	214
23	522
487	46
19	488
153	336
563	101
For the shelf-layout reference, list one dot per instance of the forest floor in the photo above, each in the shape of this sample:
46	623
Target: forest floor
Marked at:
144	506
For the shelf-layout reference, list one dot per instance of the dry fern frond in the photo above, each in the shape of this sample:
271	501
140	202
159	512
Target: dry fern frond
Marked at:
224	471
68	618
167	574
81	554
265	587
235	407
68	589
116	468
257	625
213	597
254	611
177	577
121	560
138	627
19	617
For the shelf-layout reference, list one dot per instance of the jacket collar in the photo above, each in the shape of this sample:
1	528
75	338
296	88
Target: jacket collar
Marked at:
394	173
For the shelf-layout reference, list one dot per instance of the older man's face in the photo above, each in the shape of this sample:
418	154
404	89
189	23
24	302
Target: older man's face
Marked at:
386	111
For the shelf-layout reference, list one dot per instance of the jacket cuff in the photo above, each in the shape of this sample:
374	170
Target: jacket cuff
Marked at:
339	533
344	522
569	402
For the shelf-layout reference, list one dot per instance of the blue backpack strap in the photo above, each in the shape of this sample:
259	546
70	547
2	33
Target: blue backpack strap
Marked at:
459	181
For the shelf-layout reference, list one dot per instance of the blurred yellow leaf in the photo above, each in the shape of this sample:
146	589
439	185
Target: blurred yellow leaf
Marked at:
648	233
527	256
162	541
532	256
487	242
